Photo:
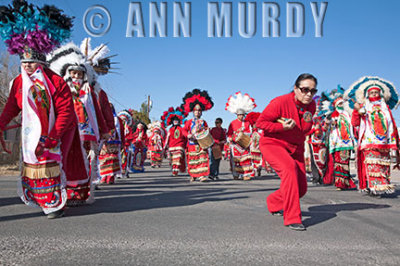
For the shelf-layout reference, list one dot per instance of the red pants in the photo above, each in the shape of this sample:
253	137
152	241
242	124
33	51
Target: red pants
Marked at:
291	170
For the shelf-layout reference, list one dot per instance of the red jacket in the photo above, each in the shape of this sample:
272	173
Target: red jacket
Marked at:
285	106
176	137
65	117
219	136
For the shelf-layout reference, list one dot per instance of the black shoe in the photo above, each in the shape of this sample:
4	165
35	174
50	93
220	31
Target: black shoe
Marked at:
56	214
211	177
216	178
297	227
278	213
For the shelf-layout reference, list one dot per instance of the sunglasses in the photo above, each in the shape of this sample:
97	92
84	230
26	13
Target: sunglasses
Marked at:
306	90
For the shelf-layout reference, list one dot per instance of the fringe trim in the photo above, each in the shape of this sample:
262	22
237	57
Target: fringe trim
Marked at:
41	171
382	189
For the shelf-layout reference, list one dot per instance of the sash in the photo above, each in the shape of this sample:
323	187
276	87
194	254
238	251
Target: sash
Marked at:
37	116
88	126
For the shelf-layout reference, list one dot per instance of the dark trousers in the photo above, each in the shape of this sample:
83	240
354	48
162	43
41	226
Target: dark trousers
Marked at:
214	165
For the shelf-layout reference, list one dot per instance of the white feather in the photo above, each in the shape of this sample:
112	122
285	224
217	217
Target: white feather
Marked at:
98	53
240	101
86	46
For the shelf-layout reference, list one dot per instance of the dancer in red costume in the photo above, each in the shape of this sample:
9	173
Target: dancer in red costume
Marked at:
372	100
285	122
197	101
69	62
239	133
156	136
176	139
138	149
340	139
49	125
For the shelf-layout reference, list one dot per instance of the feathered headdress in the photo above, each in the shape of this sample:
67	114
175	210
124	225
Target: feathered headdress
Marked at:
329	100
32	32
97	57
358	91
69	57
126	116
240	103
197	98
252	117
169	116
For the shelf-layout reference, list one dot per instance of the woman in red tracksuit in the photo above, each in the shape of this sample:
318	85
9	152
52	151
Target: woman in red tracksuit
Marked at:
285	122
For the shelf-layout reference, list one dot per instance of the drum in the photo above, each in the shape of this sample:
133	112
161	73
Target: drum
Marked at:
243	140
204	139
216	151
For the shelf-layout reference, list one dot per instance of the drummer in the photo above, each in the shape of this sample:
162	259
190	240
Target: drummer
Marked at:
239	132
241	159
219	136
198	166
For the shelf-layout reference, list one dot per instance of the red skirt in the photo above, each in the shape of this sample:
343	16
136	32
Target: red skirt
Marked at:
41	186
198	162
109	160
377	170
241	163
341	170
177	159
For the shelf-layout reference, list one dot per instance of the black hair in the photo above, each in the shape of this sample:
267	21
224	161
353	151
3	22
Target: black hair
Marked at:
219	119
303	77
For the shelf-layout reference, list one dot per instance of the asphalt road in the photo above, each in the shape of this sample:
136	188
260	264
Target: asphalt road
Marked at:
157	219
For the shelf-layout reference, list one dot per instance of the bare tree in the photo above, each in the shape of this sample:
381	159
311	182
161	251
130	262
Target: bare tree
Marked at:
9	69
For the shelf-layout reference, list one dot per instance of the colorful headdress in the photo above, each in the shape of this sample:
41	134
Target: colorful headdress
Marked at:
69	57
240	103
252	117
358	91
329	101
126	116
169	116
32	32
197	99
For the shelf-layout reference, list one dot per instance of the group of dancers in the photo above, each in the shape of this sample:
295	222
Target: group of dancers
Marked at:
73	139
190	144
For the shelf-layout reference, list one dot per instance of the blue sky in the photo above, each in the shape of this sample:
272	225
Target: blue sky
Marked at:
360	38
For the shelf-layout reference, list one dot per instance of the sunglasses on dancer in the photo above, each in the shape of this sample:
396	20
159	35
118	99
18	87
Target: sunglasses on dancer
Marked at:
306	90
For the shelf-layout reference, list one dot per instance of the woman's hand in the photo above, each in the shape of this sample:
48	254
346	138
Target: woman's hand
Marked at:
289	124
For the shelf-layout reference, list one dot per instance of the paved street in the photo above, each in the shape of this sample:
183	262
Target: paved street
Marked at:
157	219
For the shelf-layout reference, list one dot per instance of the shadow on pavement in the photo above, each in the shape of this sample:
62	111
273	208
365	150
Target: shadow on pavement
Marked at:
10	201
20	216
323	213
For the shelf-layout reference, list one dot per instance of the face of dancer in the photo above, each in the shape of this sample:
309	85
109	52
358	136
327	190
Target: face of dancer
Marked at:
30	67
140	126
373	93
305	92
197	113
240	117
76	74
175	122
218	123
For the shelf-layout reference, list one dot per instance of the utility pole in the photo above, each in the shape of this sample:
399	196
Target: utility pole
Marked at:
148	106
